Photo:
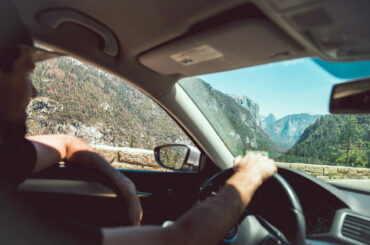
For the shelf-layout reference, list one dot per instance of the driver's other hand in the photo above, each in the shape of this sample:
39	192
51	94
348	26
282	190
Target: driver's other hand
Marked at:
256	165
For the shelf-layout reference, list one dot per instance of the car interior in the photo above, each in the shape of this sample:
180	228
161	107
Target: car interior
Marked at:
151	45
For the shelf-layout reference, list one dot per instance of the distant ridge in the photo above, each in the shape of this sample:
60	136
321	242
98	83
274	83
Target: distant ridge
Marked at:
287	130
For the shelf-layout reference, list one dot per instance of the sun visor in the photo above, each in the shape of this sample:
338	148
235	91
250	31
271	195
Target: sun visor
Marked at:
233	45
334	30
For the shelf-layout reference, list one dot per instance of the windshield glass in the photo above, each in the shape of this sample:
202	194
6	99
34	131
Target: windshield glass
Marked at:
281	110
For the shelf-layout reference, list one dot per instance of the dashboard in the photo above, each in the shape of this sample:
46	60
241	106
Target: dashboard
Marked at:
319	219
333	215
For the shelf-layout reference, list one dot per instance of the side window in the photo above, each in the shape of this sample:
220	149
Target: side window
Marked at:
123	124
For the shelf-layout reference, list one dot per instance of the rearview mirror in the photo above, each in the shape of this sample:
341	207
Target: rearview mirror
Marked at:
178	157
351	97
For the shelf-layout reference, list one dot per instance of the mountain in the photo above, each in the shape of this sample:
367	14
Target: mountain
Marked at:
78	99
233	120
335	140
250	105
287	130
268	121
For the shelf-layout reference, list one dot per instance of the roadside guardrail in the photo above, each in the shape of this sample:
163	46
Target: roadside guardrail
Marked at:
142	159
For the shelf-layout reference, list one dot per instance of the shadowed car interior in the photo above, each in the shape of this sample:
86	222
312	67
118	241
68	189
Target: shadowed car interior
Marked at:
152	45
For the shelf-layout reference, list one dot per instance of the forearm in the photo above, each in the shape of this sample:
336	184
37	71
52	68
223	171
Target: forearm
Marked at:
52	149
217	213
205	223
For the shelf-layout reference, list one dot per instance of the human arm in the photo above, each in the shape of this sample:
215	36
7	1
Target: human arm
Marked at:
51	149
206	222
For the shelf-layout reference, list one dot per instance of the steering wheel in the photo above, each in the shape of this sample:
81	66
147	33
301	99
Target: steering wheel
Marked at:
212	185
86	174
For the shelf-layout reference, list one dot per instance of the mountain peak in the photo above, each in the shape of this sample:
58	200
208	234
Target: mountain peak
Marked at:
287	130
248	104
270	117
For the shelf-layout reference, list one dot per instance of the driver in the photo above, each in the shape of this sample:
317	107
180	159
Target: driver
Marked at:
20	156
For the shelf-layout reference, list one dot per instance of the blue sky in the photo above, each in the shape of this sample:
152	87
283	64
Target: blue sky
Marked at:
282	88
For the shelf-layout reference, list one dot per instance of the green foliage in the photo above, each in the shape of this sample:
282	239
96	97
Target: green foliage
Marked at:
132	142
334	140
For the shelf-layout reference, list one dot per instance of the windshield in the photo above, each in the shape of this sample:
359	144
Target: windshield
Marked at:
281	110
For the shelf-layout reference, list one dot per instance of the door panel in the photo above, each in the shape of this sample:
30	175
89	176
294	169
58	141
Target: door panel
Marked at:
164	195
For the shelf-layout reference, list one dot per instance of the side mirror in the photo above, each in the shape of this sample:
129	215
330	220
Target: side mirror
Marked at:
351	97
178	157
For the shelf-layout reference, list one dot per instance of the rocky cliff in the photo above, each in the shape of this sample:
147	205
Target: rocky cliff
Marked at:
287	130
250	105
268	121
233	117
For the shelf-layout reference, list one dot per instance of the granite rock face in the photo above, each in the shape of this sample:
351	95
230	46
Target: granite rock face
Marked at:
287	130
250	105
43	107
234	117
268	121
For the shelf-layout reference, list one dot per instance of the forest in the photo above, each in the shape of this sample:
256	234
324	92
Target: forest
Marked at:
334	140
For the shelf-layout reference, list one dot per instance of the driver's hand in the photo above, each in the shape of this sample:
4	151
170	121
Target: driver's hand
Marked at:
255	165
51	149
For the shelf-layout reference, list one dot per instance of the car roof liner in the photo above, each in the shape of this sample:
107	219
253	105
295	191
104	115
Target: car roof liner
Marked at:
238	38
321	28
